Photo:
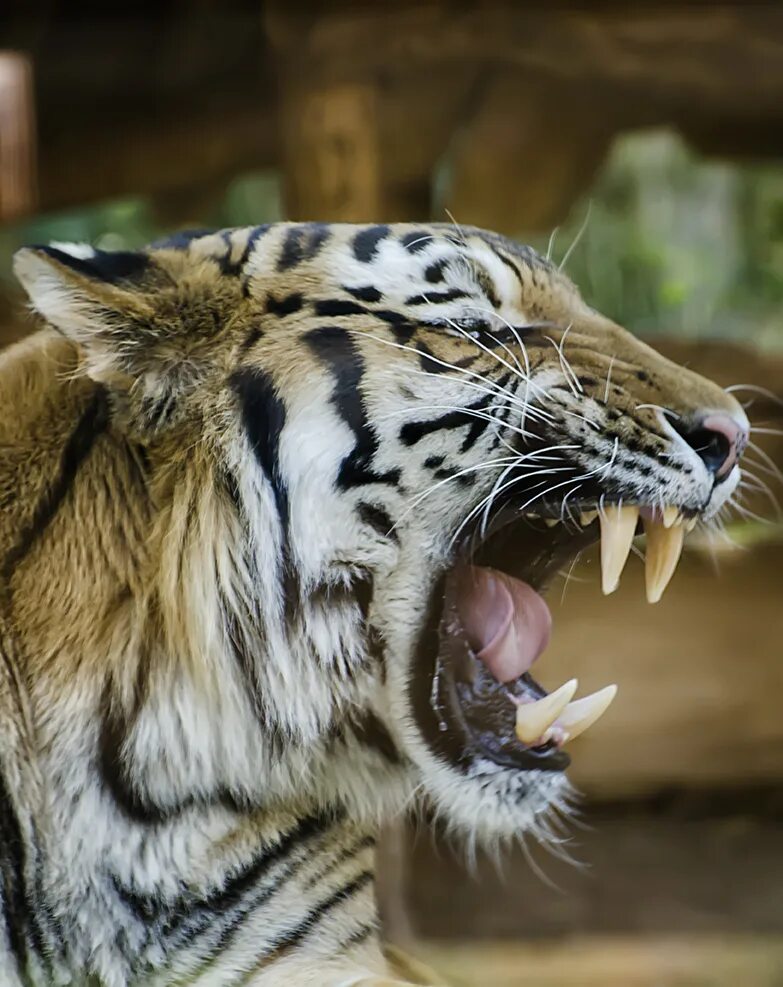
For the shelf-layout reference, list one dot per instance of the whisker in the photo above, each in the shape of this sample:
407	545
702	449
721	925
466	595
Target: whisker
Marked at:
765	431
666	411
577	238
551	245
461	371
773	467
758	390
608	380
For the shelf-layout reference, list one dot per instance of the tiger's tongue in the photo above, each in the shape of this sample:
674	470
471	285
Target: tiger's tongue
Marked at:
506	622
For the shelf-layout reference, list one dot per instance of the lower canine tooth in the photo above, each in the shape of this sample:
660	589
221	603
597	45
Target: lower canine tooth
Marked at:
583	713
618	525
533	719
663	553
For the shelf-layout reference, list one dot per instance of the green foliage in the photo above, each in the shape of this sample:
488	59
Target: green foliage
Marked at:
678	245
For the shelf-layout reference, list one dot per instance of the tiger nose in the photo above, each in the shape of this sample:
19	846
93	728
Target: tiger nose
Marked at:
719	440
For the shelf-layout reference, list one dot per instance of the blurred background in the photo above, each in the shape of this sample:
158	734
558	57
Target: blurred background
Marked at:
641	145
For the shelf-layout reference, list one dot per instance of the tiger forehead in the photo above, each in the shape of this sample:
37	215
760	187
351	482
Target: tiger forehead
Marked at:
428	266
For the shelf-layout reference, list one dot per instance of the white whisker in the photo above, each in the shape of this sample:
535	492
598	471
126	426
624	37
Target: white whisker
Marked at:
577	238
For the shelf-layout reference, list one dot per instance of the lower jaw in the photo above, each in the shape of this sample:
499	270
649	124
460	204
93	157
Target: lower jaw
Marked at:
465	715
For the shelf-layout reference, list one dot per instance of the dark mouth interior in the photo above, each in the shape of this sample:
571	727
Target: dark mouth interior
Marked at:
466	712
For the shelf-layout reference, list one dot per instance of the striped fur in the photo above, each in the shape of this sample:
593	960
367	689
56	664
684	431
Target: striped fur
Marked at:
216	555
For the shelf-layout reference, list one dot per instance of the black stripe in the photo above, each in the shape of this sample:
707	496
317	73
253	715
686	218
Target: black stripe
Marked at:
284	306
156	412
113	731
391	317
434	273
366	241
508	262
487	285
184	918
235	895
106	265
251	339
347	853
434	297
413	432
252	240
233	890
377	518
344	893
402	327
416	240
302	243
338	306
361	935
263	417
91	425
365	294
335	347
430	363
246	653
371	732
235	268
12	867
466	480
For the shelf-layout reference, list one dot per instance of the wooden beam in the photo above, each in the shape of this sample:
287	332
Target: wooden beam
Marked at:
614	961
176	150
17	136
332	155
527	154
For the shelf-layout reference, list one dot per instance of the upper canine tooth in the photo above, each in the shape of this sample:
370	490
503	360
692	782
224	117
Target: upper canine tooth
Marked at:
618	525
670	515
663	553
587	517
581	714
534	718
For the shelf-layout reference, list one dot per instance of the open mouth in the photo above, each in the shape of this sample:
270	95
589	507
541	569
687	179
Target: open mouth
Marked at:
476	697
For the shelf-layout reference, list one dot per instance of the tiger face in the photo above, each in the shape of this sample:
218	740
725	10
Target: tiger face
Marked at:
368	450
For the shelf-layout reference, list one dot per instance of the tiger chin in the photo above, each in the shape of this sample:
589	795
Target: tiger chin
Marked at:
280	507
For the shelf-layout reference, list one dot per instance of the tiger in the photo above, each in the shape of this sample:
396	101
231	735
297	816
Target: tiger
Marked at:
280	505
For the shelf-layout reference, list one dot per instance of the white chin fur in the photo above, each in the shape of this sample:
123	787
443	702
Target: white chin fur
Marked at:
487	803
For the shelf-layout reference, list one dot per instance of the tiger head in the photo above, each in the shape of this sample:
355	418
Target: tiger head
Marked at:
367	451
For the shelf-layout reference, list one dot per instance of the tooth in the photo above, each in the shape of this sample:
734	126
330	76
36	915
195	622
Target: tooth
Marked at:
691	523
663	553
581	714
670	515
587	517
618	525
550	522
534	718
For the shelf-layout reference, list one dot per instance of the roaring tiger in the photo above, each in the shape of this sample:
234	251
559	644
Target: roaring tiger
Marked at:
278	507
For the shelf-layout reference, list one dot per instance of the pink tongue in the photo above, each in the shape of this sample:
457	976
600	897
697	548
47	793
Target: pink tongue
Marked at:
506	622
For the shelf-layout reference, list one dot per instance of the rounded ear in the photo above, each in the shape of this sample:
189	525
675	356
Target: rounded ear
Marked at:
94	297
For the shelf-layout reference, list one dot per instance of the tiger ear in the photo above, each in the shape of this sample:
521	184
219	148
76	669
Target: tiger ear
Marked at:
99	299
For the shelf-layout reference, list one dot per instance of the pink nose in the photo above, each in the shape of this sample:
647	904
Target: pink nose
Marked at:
719	439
